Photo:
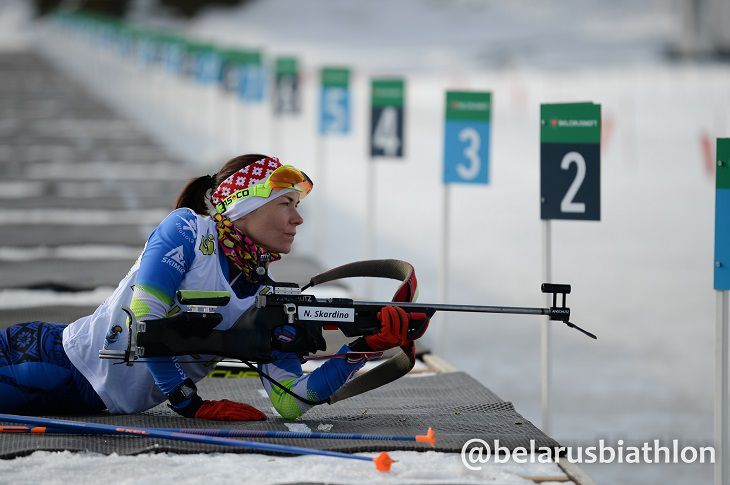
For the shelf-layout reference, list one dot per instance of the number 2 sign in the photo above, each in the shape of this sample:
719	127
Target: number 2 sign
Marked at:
386	120
570	161
466	144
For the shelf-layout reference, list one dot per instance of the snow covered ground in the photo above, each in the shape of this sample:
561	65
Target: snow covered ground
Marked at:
411	467
642	277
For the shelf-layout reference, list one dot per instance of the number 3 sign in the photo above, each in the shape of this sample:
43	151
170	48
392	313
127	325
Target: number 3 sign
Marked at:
466	144
570	161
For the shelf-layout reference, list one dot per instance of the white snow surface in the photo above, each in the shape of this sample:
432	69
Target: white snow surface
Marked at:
412	467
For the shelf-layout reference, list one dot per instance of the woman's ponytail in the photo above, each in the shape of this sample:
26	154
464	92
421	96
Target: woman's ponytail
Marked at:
194	194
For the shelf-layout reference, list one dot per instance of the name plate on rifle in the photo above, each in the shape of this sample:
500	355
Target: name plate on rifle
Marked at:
328	314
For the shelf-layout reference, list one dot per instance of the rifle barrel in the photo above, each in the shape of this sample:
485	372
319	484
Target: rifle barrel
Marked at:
461	308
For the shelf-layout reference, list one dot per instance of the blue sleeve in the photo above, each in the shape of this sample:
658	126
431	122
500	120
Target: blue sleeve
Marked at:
168	255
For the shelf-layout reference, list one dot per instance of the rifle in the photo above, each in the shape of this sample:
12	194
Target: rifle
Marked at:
250	339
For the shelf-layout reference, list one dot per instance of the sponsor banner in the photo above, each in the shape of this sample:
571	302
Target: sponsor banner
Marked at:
570	123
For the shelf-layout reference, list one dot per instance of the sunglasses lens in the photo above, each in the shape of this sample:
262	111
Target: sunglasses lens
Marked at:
288	177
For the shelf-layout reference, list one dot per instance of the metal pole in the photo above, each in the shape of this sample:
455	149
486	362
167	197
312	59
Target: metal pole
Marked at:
320	171
545	334
514	310
444	276
722	460
429	437
370	221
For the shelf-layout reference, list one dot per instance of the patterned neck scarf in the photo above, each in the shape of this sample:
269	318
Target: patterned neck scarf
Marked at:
240	250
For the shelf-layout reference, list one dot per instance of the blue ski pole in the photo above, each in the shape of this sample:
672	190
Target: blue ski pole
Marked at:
382	461
429	437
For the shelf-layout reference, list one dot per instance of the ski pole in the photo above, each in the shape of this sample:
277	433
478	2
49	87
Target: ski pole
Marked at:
429	437
382	461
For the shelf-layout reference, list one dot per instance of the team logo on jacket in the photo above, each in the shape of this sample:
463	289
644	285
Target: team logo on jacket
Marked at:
207	245
175	258
187	225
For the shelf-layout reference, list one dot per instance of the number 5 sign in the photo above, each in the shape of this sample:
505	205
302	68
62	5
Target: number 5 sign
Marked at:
334	101
570	161
466	144
386	119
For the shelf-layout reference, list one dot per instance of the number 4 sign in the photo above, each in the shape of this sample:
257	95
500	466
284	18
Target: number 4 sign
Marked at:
570	161
386	121
466	144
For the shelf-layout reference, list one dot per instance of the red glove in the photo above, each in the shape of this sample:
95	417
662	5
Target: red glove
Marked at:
226	410
393	330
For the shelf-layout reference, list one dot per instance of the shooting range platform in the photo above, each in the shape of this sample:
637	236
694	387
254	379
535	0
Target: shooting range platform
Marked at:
454	404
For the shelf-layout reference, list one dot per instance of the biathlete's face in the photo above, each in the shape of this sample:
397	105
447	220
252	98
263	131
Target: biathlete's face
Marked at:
274	224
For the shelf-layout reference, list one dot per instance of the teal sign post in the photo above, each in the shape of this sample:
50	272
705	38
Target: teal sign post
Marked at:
722	215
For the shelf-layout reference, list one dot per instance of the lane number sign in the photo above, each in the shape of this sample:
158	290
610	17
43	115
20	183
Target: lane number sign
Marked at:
286	93
722	215
334	101
249	76
386	118
466	137
570	161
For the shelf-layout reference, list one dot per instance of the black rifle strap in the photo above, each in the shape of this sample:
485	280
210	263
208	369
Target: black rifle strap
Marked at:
393	368
401	363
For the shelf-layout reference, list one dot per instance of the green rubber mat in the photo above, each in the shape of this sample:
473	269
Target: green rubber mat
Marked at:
455	405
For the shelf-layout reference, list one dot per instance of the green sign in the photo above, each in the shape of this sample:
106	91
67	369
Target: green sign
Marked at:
722	179
570	123
387	92
468	106
335	77
286	66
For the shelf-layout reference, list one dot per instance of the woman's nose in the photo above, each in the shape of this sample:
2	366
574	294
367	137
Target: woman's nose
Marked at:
297	219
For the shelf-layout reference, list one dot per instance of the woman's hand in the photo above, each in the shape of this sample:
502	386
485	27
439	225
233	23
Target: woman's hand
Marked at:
393	330
185	401
226	410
